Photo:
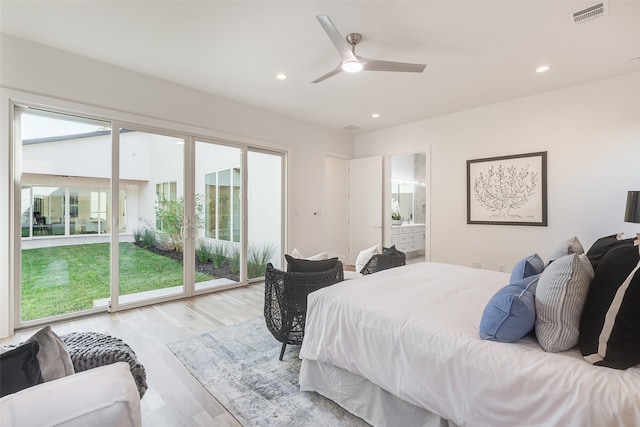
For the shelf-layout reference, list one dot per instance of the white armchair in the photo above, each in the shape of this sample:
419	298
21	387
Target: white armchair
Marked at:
104	396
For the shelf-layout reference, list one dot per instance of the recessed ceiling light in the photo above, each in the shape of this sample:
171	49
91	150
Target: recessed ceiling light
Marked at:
281	76
543	68
375	115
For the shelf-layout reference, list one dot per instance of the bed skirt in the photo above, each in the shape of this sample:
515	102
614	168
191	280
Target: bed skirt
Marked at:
363	398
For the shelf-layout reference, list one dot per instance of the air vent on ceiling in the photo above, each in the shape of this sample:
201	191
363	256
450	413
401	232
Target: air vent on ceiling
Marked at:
350	127
598	10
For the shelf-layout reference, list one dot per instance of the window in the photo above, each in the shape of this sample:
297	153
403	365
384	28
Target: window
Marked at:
210	200
99	204
222	205
165	192
73	206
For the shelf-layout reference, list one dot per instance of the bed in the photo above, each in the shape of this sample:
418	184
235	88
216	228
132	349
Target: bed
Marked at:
401	347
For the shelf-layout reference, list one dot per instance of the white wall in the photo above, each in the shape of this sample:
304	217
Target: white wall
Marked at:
592	135
38	74
336	208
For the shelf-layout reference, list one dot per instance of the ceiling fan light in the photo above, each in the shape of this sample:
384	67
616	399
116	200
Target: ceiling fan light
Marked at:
351	66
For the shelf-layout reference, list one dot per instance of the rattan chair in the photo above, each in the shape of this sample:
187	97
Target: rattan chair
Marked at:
389	259
285	300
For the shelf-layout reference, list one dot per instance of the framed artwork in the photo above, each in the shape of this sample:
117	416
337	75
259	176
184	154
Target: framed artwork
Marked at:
508	190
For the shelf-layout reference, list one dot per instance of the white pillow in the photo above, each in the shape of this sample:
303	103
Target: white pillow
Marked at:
295	253
364	256
569	246
319	257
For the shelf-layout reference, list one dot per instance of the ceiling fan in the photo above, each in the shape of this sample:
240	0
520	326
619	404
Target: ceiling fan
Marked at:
352	63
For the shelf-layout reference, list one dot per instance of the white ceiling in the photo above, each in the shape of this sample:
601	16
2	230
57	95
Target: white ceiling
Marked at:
477	52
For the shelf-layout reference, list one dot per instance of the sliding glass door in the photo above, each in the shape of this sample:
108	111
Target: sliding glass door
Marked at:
123	218
151	216
64	244
217	225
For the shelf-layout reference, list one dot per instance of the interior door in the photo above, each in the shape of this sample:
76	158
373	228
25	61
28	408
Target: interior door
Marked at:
365	204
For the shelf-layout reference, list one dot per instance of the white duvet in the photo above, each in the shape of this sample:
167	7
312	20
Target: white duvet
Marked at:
414	332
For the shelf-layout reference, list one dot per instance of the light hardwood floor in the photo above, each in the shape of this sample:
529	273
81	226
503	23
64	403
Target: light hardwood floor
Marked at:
174	397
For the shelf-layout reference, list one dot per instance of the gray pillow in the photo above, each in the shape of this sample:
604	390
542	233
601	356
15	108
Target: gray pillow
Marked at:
53	356
560	297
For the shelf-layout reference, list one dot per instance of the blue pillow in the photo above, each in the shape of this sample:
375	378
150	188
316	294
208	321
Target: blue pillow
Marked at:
511	312
526	267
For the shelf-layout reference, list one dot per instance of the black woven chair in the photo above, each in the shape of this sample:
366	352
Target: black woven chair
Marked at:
285	300
389	259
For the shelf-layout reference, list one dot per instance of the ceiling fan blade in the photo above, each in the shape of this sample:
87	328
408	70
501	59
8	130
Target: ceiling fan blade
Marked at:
344	48
337	70
377	65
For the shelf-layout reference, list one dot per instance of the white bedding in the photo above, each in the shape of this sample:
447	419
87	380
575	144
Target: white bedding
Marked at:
414	332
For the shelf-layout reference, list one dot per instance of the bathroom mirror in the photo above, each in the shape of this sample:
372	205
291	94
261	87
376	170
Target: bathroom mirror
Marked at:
408	188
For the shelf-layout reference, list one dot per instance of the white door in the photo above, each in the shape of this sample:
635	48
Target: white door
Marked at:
365	204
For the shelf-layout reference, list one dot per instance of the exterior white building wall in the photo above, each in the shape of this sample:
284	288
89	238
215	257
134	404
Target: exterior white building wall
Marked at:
86	157
265	204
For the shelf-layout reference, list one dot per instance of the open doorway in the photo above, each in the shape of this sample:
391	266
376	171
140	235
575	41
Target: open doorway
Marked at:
409	204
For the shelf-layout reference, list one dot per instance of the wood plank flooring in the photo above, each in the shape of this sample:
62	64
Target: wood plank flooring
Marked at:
174	398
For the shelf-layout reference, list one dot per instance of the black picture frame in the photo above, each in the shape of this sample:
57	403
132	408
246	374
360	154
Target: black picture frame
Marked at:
508	190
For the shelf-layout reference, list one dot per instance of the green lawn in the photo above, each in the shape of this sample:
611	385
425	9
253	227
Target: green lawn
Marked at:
66	279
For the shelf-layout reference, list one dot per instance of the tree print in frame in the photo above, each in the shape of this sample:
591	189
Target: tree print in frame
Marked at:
508	190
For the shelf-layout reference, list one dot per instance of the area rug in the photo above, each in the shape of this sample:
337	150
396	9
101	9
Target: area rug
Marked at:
239	366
